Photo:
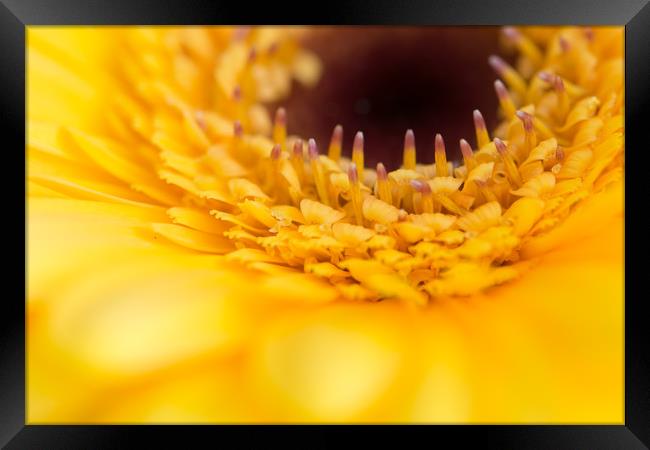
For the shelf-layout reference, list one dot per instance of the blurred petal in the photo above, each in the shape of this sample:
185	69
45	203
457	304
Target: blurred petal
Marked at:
331	364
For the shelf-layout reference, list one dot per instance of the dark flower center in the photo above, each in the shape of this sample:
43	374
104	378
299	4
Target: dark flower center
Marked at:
384	80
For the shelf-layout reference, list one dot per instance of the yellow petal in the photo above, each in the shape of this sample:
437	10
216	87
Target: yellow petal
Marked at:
524	213
317	213
481	218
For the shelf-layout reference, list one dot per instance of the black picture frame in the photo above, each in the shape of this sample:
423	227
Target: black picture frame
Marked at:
16	15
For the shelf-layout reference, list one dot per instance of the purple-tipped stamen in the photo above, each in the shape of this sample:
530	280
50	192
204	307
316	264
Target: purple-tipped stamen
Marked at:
409	139
236	93
526	119
382	175
498	64
281	116
337	135
276	151
501	147
357	145
421	186
312	149
564	44
353	175
297	148
479	122
501	90
439	144
511	33
466	149
237	129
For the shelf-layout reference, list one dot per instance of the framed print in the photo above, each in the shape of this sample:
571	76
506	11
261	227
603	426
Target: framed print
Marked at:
272	223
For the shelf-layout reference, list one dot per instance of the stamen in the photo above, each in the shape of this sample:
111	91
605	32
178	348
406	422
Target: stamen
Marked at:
511	167
236	94
440	156
409	150
529	130
511	33
383	185
317	172
238	130
238	107
564	44
280	127
238	133
353	176
355	193
525	45
546	76
357	153
312	150
557	83
298	150
485	191
423	188
563	96
468	155
297	160
276	151
482	136
274	179
510	75
504	99
334	151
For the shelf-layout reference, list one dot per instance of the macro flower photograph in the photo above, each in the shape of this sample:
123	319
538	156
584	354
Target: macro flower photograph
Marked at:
324	224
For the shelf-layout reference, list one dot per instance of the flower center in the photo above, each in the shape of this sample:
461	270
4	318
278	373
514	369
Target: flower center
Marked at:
387	212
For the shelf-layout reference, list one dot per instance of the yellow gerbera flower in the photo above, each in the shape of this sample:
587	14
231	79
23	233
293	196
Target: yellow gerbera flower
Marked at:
189	261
